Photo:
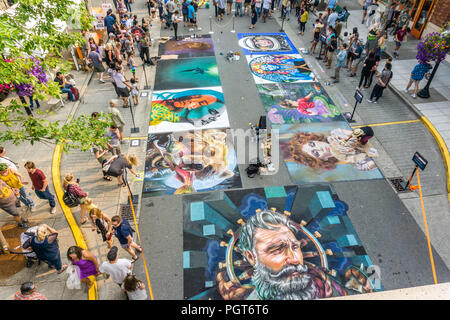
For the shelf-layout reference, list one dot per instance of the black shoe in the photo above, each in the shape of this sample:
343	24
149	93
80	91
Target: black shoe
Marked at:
29	263
23	225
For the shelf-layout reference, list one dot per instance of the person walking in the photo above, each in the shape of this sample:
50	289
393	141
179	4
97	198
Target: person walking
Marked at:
128	5
8	201
123	88
124	233
119	163
15	180
341	58
399	37
116	268
368	68
171	7
254	16
72	186
101	223
417	74
45	245
134	288
87	263
28	292
40	185
383	80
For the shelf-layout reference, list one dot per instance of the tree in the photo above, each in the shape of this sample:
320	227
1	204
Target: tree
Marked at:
434	47
33	35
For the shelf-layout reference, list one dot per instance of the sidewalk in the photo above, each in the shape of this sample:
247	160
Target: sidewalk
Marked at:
106	195
437	107
47	281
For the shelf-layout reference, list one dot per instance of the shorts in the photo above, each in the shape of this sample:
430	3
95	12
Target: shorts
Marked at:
364	8
192	21
398	44
185	17
133	70
330	54
99	68
125	246
11	210
123	92
221	11
265	12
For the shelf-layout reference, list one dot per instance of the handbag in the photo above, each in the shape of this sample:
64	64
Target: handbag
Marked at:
73	281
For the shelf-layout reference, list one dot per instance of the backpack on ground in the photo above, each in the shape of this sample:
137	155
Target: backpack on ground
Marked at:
75	92
70	199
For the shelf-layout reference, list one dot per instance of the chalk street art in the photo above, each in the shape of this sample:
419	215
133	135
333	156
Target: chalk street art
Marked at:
187	162
320	152
295	103
187	73
263	43
280	68
201	46
274	243
184	110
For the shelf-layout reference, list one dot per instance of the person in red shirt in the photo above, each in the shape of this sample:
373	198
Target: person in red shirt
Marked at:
28	292
400	36
40	185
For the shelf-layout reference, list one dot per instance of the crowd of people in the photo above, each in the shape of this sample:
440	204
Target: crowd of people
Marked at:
352	51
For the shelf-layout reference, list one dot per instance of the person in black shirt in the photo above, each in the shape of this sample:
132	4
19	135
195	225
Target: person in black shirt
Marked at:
330	50
65	87
368	68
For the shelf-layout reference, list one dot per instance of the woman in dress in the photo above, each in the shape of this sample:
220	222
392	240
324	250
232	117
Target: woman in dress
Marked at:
45	246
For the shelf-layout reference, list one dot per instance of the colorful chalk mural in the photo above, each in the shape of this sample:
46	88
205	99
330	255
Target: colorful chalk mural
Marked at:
187	162
321	152
187	73
274	243
280	68
293	103
200	46
183	110
265	43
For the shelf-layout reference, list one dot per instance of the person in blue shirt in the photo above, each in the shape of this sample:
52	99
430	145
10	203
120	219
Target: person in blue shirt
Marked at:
124	233
109	21
332	18
417	75
192	16
332	4
185	11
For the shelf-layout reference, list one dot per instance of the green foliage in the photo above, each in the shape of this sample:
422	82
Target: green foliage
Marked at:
35	29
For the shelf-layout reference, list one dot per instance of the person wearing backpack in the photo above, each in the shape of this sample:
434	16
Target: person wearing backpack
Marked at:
75	196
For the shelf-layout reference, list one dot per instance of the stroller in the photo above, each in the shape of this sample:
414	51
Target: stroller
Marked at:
28	253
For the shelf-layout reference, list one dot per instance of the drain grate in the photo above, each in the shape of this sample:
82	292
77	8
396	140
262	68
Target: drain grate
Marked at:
125	212
398	184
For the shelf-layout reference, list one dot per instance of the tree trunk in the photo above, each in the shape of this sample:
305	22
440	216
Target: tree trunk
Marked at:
425	92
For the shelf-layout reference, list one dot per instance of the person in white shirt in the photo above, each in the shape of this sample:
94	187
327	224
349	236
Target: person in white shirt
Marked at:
134	288
4	159
118	269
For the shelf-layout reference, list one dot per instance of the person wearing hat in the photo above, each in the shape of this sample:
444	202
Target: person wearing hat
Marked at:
116	268
362	135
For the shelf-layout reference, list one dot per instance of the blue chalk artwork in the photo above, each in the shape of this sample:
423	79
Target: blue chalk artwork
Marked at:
274	243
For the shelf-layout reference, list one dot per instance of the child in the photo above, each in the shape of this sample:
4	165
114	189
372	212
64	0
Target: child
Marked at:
135	92
132	65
